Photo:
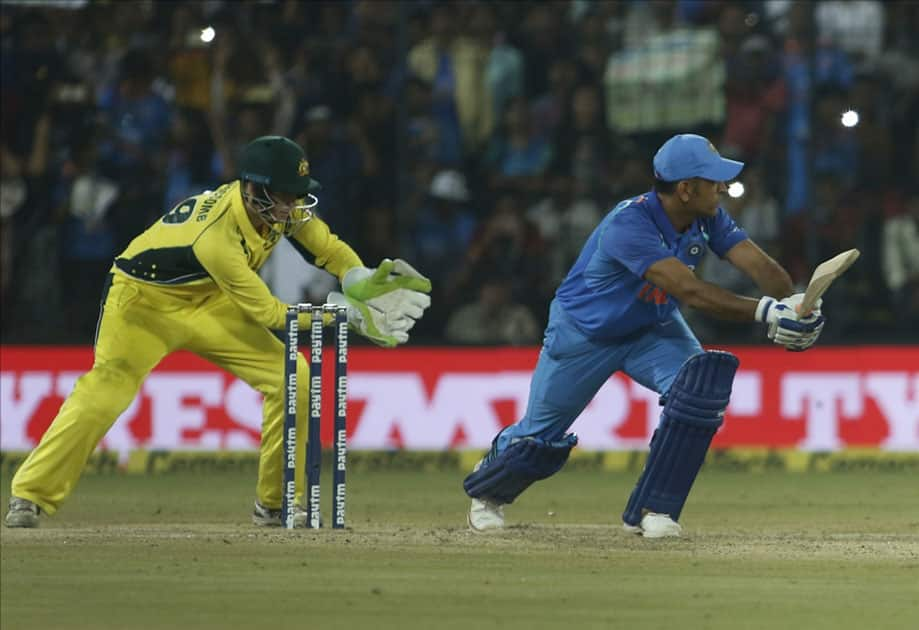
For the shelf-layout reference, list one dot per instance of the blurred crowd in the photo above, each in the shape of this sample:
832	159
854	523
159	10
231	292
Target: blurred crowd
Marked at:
482	141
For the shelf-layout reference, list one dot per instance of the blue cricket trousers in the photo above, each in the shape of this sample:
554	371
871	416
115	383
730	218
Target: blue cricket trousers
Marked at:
572	368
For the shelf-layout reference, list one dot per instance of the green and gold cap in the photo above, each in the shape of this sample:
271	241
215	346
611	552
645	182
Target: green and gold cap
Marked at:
279	164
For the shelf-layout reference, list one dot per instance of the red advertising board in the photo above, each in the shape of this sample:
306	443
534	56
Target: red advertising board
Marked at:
439	398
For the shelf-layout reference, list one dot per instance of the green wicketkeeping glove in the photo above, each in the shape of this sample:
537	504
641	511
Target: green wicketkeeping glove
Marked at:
384	303
365	284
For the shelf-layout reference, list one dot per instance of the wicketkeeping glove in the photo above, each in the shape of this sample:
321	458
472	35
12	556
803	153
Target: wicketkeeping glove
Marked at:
363	284
785	326
384	303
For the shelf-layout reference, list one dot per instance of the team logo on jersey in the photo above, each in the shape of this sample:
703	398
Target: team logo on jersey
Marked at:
303	169
695	249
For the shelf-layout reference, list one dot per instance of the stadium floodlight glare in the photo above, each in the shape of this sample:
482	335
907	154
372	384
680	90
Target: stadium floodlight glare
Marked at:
207	34
849	118
736	189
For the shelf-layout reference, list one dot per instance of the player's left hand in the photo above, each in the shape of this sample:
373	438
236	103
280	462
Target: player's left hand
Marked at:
366	285
786	327
794	303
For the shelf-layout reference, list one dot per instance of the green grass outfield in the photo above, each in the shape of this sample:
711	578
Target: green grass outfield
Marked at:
767	550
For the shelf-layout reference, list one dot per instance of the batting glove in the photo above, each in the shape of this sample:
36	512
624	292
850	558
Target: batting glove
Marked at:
785	327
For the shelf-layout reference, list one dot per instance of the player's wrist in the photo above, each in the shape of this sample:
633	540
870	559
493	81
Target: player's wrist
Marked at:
354	276
763	308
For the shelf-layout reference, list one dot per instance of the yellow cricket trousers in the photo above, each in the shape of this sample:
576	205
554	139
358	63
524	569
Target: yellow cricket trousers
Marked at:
140	324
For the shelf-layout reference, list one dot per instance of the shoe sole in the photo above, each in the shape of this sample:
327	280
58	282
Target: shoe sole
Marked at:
638	531
29	522
487	530
670	530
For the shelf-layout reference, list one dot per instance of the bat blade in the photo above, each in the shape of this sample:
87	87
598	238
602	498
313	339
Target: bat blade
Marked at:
824	275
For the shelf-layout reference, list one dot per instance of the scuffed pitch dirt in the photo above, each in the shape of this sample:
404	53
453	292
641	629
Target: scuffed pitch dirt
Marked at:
574	540
820	552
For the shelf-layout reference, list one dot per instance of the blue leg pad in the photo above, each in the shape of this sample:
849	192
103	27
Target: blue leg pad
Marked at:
692	415
503	476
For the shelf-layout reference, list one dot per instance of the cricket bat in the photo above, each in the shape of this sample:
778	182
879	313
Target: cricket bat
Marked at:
823	277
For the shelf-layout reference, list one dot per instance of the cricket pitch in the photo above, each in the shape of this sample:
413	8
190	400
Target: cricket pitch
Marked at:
769	550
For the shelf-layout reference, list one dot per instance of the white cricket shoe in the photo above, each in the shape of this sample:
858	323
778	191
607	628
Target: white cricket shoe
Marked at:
266	517
22	513
631	529
654	525
485	515
300	518
271	517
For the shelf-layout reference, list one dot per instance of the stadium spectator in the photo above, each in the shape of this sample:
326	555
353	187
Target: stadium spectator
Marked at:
13	194
900	248
835	146
550	108
493	319
583	143
755	97
541	39
422	131
135	126
415	88
517	157
760	214
856	26
564	221
338	153
189	157
455	66
87	242
507	244
444	228
504	70
807	67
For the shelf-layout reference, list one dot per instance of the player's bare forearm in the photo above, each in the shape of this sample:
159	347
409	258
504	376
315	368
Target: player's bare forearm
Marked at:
717	302
775	282
678	280
769	275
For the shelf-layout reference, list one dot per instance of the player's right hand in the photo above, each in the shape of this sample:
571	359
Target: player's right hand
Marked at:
384	328
785	326
801	334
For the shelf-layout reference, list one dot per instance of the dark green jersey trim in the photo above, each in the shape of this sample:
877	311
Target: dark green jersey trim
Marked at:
105	289
167	265
304	252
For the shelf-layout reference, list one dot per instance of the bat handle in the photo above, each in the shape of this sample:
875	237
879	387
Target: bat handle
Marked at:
804	311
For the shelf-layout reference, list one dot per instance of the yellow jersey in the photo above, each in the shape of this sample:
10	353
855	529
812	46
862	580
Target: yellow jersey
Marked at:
207	244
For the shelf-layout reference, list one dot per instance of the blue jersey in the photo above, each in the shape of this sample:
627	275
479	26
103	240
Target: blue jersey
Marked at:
605	292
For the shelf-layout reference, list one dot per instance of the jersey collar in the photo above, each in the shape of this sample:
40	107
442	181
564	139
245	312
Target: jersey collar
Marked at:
660	218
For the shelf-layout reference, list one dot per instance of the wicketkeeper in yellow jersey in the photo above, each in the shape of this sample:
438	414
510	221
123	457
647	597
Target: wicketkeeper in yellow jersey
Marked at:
190	282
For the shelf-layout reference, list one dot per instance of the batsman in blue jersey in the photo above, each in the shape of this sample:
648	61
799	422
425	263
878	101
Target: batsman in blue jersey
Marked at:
617	310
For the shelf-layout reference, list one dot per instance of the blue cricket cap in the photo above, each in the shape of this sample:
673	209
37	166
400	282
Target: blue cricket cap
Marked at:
687	155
